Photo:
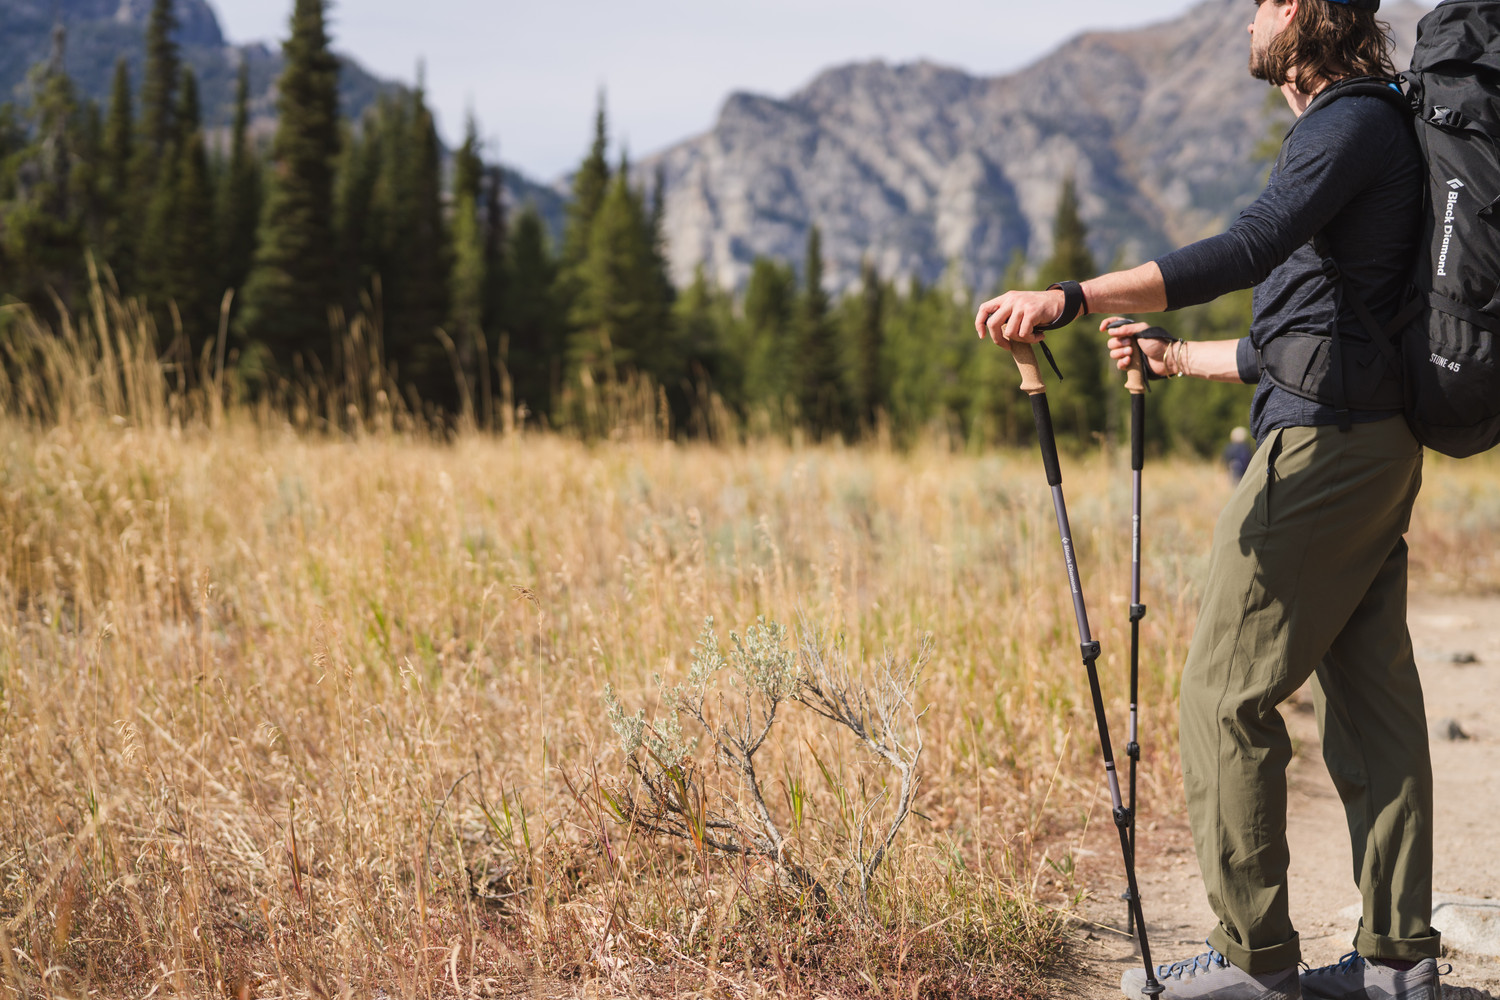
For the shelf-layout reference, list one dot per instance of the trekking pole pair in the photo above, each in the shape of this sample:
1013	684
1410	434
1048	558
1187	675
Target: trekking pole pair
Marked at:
1032	385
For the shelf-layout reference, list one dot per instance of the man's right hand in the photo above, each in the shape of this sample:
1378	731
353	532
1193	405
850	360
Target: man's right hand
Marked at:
1013	317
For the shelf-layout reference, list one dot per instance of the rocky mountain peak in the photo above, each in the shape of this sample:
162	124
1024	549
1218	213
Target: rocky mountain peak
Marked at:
921	167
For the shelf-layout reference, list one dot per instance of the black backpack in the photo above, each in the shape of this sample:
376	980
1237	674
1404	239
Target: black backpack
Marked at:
1447	378
1451	350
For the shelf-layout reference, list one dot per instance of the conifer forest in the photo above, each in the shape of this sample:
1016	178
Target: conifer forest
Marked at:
254	254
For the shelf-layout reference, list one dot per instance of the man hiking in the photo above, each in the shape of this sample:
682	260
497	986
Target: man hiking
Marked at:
1307	576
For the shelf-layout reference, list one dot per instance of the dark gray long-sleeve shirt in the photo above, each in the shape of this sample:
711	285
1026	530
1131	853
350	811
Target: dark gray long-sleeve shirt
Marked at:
1352	171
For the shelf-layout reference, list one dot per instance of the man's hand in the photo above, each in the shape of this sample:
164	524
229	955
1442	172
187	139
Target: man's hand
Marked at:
1122	343
1013	317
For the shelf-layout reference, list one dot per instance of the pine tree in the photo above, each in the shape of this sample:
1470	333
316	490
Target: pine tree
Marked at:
620	316
533	317
496	270
468	163
154	246
819	389
192	272
468	276
925	361
703	316
1078	402
158	94
239	194
117	243
294	279
768	345
414	270
656	238
590	185
43	231
866	335
87	178
358	221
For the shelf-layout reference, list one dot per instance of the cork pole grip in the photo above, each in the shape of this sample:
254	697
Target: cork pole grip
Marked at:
1135	375
1031	375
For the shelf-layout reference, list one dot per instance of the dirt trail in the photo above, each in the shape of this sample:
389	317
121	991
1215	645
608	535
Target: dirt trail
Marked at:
1468	843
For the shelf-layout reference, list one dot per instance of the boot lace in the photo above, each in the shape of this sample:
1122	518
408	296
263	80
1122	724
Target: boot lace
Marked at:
1351	962
1208	961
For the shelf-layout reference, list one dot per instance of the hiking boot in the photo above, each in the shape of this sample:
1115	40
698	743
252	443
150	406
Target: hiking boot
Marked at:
1357	978
1211	977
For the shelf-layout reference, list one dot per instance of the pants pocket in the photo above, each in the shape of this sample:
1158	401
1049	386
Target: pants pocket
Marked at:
1263	498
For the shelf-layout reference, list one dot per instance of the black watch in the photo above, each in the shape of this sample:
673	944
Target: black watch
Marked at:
1074	305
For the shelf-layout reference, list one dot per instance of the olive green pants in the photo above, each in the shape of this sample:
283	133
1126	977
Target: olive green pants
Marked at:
1308	578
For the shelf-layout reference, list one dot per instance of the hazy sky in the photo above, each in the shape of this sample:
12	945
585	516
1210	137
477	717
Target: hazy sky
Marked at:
531	71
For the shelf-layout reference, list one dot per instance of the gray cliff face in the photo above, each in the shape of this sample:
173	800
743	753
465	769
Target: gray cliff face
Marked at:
919	166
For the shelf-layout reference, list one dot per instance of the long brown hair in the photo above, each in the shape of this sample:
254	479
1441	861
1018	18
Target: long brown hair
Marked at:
1327	41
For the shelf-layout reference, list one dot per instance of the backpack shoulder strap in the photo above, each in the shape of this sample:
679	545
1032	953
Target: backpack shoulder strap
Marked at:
1355	86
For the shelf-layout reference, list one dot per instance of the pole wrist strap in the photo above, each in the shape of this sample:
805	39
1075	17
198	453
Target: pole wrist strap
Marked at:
1156	333
1074	305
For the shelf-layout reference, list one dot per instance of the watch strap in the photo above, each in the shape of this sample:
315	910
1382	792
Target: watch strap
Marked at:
1074	305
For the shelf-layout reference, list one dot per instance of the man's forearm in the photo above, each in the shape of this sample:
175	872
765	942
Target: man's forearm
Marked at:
1215	360
1140	289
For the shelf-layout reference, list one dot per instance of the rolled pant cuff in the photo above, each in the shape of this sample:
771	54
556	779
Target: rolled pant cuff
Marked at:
1256	961
1378	946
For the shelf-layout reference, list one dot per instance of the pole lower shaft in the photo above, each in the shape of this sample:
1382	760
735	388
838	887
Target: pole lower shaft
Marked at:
1124	818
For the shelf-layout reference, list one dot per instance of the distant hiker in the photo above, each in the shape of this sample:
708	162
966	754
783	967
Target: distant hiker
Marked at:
1308	572
1238	453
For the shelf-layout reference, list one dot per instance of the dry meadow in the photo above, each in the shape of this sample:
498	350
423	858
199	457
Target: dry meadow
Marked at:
294	706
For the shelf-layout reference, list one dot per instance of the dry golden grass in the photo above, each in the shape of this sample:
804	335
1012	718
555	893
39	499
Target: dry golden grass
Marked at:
299	713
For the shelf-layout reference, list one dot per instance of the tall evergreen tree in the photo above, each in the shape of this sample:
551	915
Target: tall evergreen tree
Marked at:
42	229
414	271
294	279
192	274
468	163
866	337
496	233
620	315
590	185
656	239
357	219
820	389
87	179
533	321
158	93
116	246
239	195
768	344
469	274
1078	401
703	317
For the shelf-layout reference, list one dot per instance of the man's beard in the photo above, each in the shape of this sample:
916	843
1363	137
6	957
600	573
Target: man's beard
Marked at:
1258	62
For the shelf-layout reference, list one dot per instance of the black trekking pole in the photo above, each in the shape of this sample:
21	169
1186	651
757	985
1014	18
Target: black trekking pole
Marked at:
1032	385
1135	384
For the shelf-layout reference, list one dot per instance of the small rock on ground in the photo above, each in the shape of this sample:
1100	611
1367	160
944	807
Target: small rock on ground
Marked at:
1447	729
